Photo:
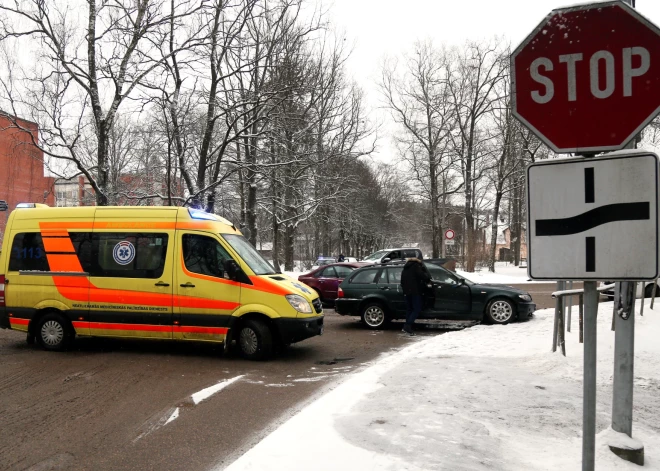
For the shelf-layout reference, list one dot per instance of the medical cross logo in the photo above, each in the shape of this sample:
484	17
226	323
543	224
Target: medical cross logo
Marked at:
124	252
302	288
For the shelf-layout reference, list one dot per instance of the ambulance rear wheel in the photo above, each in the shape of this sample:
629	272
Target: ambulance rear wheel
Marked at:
255	340
54	332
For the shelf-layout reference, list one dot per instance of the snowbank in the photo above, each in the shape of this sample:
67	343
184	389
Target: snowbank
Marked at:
485	398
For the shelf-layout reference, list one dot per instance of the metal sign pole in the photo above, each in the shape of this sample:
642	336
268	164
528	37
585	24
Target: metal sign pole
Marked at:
624	362
589	387
624	353
570	308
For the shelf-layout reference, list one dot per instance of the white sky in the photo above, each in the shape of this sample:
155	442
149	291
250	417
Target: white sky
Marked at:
389	27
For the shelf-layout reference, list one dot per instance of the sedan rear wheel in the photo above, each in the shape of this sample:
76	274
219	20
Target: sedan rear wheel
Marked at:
500	311
374	316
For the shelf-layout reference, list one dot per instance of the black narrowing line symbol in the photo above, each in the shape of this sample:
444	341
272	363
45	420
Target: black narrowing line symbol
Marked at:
593	218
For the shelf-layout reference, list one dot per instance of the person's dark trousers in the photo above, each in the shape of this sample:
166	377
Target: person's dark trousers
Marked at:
413	308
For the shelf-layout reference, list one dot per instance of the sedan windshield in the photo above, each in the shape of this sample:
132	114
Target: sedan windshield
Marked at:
249	254
376	255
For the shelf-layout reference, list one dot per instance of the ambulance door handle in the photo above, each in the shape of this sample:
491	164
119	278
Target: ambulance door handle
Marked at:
187	285
162	283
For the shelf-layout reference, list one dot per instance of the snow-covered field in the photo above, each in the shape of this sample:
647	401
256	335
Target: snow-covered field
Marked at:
505	273
485	398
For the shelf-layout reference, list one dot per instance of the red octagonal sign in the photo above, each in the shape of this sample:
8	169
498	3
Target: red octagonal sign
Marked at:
587	79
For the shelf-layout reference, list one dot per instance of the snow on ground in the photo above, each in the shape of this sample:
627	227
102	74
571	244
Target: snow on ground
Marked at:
505	273
484	398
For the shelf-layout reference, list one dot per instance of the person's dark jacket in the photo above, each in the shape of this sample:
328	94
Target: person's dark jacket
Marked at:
414	277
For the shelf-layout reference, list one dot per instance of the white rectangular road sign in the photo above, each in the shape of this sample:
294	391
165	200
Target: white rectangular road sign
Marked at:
449	241
594	218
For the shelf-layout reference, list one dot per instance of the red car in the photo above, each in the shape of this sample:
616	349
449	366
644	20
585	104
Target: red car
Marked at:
326	279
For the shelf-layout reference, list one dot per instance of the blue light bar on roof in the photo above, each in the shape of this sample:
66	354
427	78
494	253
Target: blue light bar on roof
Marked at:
197	214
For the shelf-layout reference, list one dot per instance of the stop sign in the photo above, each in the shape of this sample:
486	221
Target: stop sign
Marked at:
587	79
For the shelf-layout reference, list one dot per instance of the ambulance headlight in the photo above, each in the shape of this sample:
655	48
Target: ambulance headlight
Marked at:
299	303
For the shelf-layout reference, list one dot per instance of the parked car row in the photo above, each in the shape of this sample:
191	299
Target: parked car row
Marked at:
381	256
373	292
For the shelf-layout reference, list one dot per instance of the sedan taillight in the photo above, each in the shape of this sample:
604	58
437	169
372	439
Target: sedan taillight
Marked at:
340	293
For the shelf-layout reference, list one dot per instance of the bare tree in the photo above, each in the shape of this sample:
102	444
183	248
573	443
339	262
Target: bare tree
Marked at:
476	72
508	158
86	70
420	102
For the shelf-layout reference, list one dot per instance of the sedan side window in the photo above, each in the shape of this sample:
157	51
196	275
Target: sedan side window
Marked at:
438	274
394	275
329	273
364	277
394	255
343	272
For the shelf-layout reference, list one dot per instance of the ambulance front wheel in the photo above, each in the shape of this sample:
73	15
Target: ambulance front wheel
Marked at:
54	332
255	340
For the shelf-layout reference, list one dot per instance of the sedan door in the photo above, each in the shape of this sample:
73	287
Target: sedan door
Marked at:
452	298
328	283
390	284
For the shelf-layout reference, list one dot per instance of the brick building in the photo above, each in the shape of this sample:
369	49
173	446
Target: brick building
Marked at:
76	191
503	247
22	177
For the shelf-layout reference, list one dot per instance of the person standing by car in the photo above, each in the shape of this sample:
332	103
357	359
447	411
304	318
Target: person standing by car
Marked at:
414	279
340	258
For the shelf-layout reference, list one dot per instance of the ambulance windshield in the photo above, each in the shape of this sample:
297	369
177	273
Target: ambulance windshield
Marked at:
249	255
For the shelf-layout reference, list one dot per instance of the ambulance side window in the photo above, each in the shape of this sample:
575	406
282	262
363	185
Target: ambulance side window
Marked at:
204	255
82	244
128	255
28	253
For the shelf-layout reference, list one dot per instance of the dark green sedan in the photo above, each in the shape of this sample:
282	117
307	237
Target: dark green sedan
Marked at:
374	293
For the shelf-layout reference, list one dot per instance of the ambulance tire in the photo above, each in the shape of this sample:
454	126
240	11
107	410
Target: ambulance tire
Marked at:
255	340
54	332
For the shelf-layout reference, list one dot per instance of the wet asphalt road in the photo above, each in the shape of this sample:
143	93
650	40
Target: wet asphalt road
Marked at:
104	405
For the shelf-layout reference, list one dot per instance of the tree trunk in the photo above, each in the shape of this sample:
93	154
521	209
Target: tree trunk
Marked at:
289	240
251	182
102	195
515	230
493	237
435	236
276	245
470	258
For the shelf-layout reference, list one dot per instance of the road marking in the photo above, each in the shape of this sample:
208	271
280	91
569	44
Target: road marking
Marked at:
210	391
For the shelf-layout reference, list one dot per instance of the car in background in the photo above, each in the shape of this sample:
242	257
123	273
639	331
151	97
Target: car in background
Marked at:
390	255
645	287
374	293
325	280
323	261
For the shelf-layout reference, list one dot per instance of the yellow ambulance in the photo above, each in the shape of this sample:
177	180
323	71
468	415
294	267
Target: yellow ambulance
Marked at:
146	272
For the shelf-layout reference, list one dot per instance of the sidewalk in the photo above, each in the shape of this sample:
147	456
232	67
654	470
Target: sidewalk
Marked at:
485	398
